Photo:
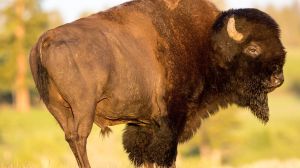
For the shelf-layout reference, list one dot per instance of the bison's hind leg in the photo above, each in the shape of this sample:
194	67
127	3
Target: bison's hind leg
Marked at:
62	112
76	120
151	144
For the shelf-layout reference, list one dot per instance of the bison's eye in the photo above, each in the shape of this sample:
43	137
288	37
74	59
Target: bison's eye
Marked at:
253	50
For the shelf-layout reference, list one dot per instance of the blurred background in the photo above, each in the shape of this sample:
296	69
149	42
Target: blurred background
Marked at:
30	137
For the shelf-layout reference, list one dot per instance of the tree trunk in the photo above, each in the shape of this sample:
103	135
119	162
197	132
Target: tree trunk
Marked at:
22	100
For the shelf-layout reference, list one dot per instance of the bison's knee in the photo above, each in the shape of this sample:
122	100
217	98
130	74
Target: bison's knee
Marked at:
71	136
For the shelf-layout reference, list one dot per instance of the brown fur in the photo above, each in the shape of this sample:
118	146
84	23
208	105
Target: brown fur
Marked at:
159	66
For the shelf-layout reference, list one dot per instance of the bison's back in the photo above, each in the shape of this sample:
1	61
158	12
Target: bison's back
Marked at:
113	62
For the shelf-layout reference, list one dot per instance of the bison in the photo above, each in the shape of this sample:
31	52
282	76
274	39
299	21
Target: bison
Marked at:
159	66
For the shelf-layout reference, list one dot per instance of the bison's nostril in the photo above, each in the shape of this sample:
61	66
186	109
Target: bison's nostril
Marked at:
279	76
277	82
277	79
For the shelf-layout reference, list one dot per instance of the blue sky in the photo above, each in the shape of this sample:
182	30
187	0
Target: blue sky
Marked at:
71	9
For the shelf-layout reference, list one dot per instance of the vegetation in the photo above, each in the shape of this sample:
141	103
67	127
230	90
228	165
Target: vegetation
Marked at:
23	22
232	137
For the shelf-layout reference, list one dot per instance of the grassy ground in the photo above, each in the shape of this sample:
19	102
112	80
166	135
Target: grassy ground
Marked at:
35	139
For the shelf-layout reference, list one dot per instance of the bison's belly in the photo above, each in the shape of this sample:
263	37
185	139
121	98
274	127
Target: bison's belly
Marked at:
133	105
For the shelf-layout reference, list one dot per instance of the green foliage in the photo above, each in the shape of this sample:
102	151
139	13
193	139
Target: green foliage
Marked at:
36	140
288	19
222	125
35	22
26	139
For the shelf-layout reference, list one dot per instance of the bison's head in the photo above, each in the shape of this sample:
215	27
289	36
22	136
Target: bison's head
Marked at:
247	48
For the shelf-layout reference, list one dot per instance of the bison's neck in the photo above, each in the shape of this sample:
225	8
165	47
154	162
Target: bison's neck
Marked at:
217	91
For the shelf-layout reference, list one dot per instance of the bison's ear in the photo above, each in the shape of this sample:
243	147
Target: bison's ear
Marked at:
226	40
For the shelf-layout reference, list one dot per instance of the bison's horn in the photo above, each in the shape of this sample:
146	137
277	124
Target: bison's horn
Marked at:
232	32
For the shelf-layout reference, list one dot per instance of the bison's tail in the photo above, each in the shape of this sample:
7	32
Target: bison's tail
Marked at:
39	72
42	81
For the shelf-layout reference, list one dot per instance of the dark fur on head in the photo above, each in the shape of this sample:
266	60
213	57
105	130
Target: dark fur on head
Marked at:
252	15
248	66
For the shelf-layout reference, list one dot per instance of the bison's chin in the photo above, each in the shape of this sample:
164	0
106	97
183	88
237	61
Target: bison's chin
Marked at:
259	107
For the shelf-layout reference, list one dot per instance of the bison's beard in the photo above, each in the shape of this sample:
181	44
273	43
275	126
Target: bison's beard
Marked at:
259	107
252	94
257	101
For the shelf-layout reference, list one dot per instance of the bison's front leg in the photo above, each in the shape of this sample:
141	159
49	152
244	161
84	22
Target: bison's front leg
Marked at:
155	144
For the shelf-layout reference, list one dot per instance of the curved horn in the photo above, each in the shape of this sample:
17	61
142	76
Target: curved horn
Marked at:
232	32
